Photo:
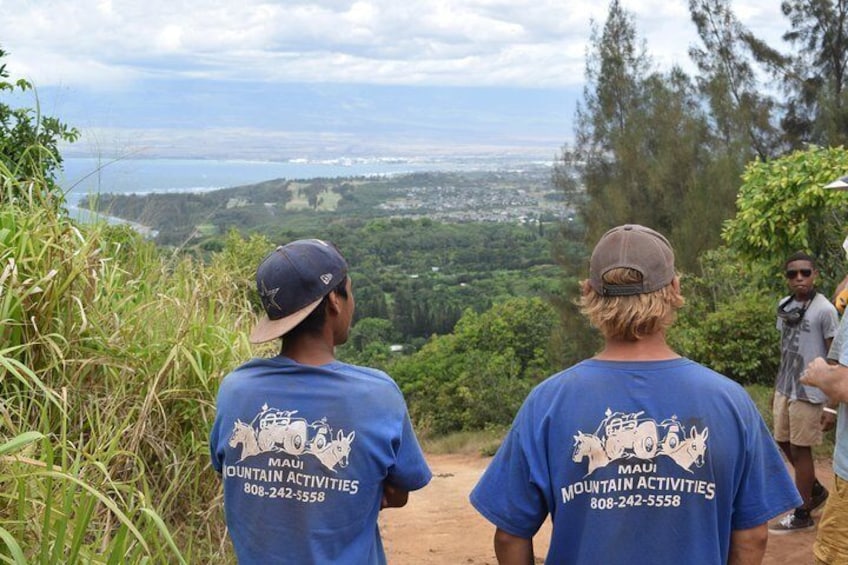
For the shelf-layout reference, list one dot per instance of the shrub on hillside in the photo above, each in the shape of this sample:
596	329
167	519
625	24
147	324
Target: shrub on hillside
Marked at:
478	376
738	339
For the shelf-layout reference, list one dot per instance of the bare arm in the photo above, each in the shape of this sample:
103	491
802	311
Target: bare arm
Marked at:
513	550
393	497
748	547
831	379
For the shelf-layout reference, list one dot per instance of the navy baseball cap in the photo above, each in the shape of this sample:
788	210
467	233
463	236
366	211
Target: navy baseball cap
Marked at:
292	280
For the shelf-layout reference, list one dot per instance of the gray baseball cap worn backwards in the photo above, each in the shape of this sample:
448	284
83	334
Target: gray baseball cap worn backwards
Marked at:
292	280
634	247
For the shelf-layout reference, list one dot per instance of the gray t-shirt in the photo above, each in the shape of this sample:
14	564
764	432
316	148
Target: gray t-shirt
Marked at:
801	343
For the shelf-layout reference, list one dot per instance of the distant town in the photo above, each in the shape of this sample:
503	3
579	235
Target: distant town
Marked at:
519	196
522	197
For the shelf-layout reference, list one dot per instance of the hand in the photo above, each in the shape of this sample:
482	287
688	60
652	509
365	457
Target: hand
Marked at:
813	373
387	495
393	497
828	421
830	379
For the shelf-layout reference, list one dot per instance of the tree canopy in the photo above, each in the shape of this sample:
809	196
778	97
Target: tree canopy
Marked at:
669	150
783	207
28	140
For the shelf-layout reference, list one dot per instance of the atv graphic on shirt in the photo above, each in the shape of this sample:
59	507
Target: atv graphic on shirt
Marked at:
622	436
279	431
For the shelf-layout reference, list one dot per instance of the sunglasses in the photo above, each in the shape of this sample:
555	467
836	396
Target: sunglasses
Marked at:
792	273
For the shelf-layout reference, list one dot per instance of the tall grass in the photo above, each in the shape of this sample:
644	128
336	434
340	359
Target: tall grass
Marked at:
110	353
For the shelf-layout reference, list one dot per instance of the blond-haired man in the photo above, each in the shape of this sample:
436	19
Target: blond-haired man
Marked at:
637	454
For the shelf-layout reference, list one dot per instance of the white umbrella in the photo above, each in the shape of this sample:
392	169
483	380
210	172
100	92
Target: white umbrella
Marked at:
839	184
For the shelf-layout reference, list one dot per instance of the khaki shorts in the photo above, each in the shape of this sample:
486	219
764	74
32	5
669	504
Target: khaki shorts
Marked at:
797	421
831	545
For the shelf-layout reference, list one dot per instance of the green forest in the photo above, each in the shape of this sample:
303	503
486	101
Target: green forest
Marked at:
113	344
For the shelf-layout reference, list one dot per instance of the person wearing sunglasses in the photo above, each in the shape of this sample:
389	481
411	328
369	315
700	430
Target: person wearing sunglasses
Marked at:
807	322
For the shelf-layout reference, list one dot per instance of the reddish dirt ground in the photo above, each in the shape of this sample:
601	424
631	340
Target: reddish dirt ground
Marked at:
440	527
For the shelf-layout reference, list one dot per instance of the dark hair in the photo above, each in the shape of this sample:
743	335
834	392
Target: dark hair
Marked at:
314	322
800	256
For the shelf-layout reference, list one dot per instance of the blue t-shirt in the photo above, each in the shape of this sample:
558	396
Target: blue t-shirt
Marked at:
636	462
303	452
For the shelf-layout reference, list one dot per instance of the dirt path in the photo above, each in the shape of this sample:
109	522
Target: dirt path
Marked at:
440	527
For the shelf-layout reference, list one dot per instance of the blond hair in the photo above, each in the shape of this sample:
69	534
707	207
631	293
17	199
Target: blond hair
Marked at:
632	317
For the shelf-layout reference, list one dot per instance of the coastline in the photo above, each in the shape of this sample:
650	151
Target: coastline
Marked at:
87	216
84	176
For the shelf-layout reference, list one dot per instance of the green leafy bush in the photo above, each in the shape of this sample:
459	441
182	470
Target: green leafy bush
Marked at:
738	339
478	376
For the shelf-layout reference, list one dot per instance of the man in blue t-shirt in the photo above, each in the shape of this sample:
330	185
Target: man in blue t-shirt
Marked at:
310	449
638	455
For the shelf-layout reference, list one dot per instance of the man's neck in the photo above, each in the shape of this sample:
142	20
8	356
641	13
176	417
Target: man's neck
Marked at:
309	349
804	297
650	348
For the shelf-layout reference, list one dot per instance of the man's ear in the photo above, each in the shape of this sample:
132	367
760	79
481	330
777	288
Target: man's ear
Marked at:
334	302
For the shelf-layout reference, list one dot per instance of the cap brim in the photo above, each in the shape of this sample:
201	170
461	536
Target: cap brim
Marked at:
267	329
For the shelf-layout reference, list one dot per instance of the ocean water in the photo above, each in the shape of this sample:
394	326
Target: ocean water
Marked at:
84	176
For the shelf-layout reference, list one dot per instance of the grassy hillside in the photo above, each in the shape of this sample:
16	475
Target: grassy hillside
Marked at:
111	355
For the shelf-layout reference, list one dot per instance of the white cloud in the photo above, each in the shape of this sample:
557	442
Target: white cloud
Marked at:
410	42
446	42
115	48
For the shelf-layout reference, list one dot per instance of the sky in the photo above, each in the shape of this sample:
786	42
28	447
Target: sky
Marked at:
311	79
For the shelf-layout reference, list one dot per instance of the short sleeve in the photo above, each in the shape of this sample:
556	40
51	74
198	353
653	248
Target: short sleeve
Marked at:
506	494
410	471
838	350
830	321
765	489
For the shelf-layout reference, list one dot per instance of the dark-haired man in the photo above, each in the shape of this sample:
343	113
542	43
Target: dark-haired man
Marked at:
807	322
310	449
638	455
